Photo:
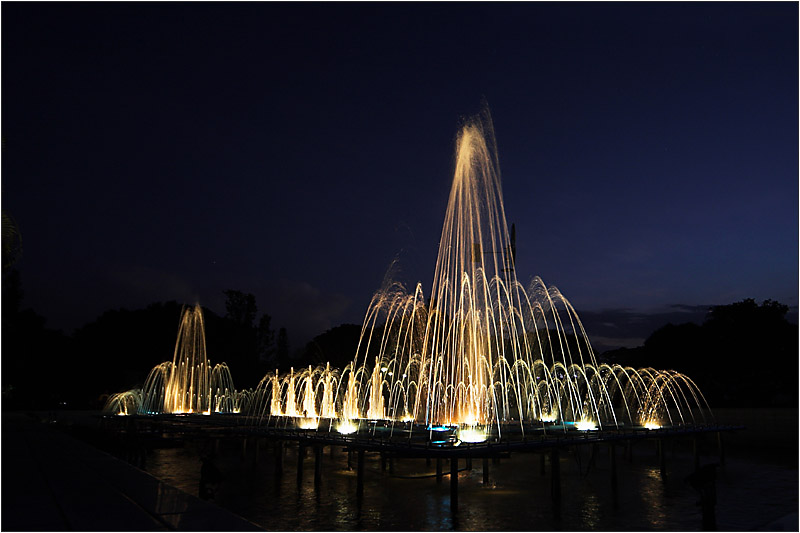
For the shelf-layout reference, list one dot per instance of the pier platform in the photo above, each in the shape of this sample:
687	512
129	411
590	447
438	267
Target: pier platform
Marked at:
53	482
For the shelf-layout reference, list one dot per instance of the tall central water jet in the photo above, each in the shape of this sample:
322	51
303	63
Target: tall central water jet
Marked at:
482	353
462	338
485	350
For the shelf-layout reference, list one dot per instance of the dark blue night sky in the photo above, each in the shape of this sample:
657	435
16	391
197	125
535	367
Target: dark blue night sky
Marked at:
155	151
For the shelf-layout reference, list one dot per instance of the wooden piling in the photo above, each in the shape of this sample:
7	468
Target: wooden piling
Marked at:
696	452
555	482
360	475
612	452
317	465
279	457
301	451
454	484
593	455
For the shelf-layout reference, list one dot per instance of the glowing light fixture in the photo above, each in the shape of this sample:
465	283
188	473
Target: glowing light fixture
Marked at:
471	435
308	423
346	427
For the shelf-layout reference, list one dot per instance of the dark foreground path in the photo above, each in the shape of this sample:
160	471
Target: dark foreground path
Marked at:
52	482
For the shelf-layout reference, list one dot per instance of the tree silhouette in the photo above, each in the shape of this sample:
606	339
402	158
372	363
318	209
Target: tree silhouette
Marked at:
744	354
250	351
336	346
117	350
240	307
266	341
12	241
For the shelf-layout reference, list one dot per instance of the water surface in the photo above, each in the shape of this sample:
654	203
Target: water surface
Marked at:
754	488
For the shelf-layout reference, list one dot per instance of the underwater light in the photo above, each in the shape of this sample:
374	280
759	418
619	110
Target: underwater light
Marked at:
585	425
308	423
346	427
472	435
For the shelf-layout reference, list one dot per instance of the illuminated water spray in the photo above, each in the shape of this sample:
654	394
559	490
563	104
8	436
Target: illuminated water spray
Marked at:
187	387
485	351
481	354
187	384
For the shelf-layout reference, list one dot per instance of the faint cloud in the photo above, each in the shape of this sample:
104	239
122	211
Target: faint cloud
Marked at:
143	285
305	310
602	344
693	309
628	328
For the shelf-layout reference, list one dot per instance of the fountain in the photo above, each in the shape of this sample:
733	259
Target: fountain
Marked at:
482	355
470	371
187	384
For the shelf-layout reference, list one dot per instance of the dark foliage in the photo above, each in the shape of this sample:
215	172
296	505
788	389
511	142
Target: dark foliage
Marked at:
265	339
240	307
235	339
45	369
336	346
744	354
35	363
117	351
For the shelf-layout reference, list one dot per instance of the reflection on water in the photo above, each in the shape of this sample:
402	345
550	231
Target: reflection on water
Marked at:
650	488
590	512
517	497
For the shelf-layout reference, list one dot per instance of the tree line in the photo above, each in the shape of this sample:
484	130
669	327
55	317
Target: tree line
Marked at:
43	368
744	354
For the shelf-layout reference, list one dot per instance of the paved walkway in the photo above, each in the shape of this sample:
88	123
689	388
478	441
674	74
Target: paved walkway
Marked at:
53	482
